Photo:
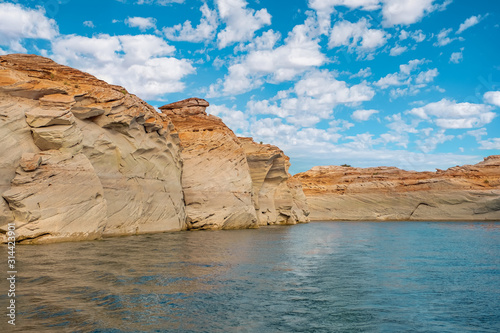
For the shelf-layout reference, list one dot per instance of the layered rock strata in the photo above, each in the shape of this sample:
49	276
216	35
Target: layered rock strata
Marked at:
278	199
470	192
82	158
216	177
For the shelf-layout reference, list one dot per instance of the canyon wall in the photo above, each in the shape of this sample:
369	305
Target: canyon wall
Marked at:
470	192
216	179
82	158
277	198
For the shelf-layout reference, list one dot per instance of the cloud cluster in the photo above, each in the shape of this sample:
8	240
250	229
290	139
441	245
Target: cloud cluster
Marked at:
356	36
141	62
143	23
18	23
300	52
448	114
408	81
204	31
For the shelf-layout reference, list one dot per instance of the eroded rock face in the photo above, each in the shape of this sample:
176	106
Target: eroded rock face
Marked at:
470	192
277	198
216	178
127	153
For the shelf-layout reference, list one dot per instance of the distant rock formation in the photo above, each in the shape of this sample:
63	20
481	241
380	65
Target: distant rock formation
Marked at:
277	198
82	158
470	192
216	178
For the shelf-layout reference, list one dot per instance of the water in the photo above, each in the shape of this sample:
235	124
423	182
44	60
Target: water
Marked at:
318	277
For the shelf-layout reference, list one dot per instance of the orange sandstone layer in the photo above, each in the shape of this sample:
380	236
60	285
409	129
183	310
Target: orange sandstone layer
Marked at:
469	192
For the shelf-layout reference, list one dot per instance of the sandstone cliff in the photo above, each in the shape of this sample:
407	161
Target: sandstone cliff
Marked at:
82	158
216	178
278	199
470	192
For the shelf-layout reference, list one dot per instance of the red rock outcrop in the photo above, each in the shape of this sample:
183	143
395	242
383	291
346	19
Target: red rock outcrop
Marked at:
469	192
82	158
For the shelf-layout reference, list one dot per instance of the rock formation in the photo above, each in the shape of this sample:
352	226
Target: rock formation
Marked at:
277	198
82	158
216	178
470	192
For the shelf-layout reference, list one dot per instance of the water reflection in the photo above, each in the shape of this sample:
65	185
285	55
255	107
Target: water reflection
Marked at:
320	277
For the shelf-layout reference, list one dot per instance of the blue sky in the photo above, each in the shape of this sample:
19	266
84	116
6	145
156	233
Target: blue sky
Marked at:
413	84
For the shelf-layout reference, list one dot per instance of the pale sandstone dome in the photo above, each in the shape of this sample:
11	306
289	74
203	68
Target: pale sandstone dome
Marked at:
82	158
469	192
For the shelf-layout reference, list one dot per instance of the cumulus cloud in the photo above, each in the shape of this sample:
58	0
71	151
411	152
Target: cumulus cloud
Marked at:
493	143
406	12
362	73
139	63
204	31
430	142
407	79
457	57
18	23
324	9
312	99
143	23
300	52
470	22
241	22
363	115
442	37
356	36
449	114
89	24
492	97
397	50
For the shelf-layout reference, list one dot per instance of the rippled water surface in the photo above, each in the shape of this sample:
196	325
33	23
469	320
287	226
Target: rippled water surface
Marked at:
317	277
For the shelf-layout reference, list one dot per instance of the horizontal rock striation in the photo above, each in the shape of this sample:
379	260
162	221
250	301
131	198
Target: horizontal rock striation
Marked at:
277	198
470	192
82	158
216	178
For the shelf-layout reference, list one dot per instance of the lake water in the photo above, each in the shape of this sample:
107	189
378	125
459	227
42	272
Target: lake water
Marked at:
317	277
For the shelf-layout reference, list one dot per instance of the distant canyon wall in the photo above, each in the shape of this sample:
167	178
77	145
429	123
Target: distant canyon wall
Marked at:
468	193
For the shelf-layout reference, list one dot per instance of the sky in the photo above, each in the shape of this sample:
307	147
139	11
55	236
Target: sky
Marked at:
407	83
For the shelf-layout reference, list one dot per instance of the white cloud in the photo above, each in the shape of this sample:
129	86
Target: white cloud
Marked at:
204	31
457	57
324	9
363	115
143	23
18	23
471	21
442	37
356	36
430	142
89	24
492	97
266	41
157	2
362	73
241	23
139	63
478	134
407	77
312	98
397	50
300	52
448	114
234	119
493	143
405	12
